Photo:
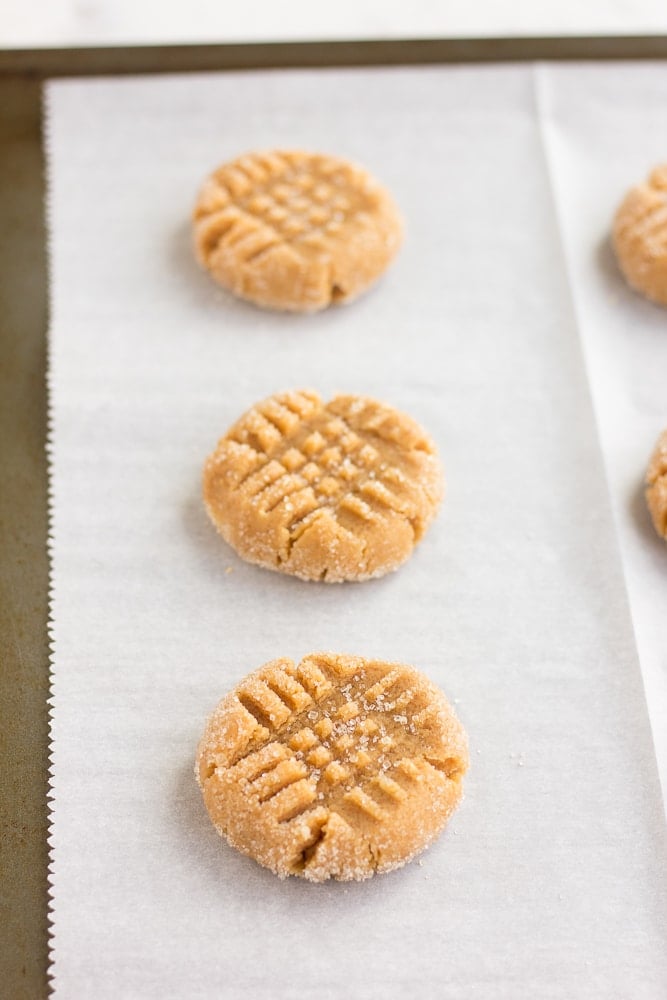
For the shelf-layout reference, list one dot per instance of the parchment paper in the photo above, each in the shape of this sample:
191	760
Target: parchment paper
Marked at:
605	129
549	882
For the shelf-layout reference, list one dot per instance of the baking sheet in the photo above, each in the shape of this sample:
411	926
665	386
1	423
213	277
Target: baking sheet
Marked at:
514	602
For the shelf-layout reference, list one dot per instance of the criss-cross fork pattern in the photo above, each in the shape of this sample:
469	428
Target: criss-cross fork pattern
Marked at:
352	749
293	453
261	200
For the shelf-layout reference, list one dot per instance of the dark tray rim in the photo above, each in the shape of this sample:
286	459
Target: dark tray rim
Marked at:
116	59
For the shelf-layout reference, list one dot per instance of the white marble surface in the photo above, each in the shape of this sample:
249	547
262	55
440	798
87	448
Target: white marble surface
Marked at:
44	23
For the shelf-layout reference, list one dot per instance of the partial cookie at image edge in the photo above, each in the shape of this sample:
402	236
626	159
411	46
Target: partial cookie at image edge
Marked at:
639	236
656	486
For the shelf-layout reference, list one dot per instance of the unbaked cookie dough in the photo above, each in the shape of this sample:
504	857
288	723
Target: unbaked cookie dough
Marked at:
640	236
656	486
335	767
295	231
324	491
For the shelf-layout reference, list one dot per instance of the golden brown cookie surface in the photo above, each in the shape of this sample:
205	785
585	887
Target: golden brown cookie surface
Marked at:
293	230
640	236
336	767
336	491
656	486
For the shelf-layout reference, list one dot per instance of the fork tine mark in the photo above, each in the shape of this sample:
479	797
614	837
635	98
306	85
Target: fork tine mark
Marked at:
267	785
363	801
288	689
260	761
293	800
316	683
255	694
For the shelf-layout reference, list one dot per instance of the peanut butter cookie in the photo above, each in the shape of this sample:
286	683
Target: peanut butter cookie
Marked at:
336	491
337	767
640	236
656	486
293	230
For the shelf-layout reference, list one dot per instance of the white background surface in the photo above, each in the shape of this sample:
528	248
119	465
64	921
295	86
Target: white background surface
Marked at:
37	23
514	602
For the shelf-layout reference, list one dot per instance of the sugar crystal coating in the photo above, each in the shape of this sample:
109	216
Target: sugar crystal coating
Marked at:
335	767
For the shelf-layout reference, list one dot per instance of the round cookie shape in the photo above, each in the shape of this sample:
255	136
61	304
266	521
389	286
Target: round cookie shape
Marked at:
295	231
323	491
336	767
640	236
656	486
